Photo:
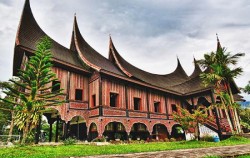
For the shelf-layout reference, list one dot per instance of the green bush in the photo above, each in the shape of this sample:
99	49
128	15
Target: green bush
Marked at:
236	139
69	141
172	140
99	139
166	140
30	138
207	138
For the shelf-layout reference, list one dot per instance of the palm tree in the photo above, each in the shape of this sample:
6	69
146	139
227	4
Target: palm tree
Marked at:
33	93
220	74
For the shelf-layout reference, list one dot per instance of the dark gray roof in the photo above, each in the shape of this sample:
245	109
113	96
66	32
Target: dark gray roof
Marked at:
177	81
29	33
81	54
89	56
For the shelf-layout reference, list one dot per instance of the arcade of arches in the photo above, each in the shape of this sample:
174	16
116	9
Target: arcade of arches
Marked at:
77	127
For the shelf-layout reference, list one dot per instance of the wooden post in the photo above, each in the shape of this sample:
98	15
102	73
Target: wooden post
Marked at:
57	126
216	116
126	100
50	131
78	127
147	103
166	107
100	91
68	86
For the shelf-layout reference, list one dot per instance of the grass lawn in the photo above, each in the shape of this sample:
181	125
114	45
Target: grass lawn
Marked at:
85	150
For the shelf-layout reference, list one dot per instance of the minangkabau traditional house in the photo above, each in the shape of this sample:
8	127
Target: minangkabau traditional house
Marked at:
110	97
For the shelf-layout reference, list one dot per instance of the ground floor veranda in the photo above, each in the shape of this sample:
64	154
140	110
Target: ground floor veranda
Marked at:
77	125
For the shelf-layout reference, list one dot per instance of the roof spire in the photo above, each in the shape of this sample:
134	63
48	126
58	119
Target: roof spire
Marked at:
218	43
178	61
197	70
72	43
179	68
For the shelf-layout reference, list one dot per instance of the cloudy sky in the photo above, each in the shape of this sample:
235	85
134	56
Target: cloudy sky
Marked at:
148	34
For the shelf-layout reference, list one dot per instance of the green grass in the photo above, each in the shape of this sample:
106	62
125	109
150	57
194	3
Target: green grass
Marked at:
244	156
85	150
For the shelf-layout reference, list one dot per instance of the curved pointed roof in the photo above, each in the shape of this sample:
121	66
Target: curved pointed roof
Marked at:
29	33
197	70
81	53
90	56
165	81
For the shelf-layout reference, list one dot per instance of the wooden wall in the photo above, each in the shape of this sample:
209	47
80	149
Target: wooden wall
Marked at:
154	97
94	90
137	93
172	100
62	76
92	87
78	81
113	87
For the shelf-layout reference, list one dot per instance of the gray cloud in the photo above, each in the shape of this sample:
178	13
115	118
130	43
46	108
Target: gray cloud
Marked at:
148	34
236	25
6	2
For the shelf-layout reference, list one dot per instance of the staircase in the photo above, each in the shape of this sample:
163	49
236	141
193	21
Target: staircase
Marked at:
225	128
205	131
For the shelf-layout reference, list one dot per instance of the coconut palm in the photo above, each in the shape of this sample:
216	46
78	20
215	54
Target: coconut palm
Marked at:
220	74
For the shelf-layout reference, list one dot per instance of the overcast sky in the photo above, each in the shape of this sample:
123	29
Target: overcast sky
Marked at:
148	34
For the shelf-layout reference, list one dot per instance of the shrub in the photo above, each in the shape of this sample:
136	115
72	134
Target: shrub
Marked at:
172	140
160	140
99	139
166	140
30	138
237	138
207	138
69	141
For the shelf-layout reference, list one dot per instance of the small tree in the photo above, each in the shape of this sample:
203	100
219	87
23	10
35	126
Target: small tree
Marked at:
245	116
247	88
6	107
192	120
34	93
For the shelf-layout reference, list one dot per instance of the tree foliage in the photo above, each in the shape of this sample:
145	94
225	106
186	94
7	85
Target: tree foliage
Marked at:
7	110
191	120
247	88
34	93
220	74
245	115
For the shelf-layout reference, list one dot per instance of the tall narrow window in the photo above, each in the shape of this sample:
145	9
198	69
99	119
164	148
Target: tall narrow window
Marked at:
93	100
55	86
78	94
174	108
113	99
156	106
137	103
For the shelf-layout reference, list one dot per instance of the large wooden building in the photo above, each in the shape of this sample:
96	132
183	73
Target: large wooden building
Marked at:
109	96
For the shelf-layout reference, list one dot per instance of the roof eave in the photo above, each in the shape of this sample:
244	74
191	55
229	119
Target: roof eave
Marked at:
55	60
139	82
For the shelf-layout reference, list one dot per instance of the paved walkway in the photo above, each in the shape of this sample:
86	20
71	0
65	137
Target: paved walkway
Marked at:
226	151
